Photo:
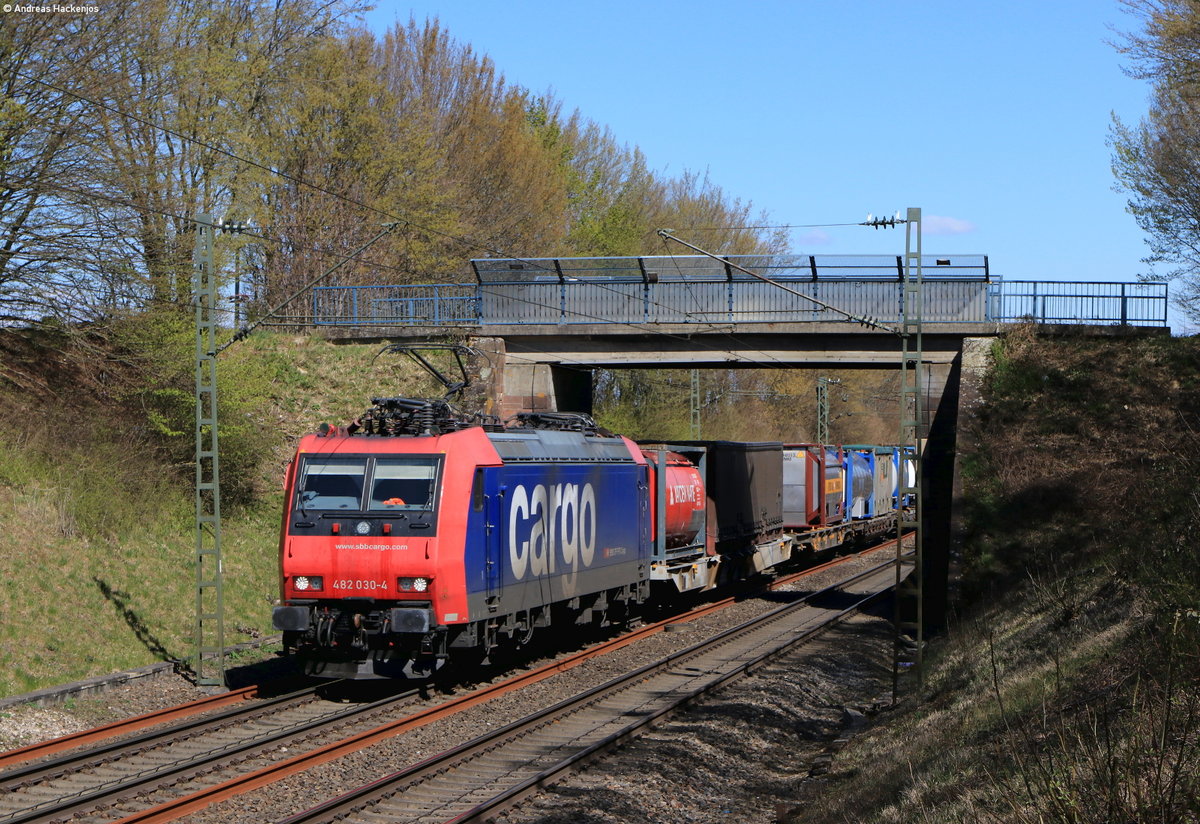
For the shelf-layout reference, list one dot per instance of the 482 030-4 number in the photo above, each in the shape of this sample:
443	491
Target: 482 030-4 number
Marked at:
359	585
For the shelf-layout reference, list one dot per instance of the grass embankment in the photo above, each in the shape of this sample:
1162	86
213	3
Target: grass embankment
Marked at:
96	501
1068	687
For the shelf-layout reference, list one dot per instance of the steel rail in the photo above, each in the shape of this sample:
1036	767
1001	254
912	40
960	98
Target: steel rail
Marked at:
178	808
78	739
357	800
85	799
538	783
63	764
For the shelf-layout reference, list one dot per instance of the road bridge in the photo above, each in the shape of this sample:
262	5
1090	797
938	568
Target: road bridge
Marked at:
545	324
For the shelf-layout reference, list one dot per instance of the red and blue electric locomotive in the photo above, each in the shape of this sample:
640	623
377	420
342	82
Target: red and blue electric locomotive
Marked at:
411	534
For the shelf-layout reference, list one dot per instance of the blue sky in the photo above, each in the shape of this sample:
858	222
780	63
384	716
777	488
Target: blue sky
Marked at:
991	116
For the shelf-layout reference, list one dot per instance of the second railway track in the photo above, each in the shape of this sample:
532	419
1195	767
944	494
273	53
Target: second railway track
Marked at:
89	780
481	778
102	791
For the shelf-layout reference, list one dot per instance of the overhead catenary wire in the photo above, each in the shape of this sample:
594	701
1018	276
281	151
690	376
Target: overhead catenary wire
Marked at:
240	334
299	181
865	321
346	199
687	283
779	226
343	258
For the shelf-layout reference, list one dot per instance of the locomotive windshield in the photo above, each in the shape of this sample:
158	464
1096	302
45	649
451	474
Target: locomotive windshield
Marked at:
401	482
332	483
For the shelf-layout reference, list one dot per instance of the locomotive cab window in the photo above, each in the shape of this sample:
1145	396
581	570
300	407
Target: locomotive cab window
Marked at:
401	483
407	482
332	483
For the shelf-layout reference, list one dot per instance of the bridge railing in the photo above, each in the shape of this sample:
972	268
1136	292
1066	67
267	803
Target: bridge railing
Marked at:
435	304
1130	304
627	301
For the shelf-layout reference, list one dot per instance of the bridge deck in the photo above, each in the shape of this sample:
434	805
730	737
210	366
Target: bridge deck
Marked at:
636	294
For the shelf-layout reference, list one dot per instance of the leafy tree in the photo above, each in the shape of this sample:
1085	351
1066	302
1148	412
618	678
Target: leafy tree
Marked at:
361	162
612	194
101	180
500	161
696	207
206	73
644	403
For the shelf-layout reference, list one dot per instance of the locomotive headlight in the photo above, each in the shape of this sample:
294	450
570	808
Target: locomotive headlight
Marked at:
413	584
308	582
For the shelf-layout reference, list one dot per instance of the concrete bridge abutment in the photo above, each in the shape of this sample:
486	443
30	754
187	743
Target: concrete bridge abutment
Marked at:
955	391
513	383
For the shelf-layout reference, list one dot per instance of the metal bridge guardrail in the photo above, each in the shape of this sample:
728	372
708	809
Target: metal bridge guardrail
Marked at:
435	304
1127	304
621	300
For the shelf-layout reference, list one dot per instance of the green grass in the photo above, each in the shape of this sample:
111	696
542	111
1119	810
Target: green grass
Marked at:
86	604
99	546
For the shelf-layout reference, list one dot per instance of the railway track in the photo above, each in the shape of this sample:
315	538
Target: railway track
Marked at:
88	780
184	758
495	771
125	726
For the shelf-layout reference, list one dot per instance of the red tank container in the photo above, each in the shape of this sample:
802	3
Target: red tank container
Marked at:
684	498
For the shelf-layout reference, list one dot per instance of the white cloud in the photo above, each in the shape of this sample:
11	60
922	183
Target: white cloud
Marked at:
938	225
813	237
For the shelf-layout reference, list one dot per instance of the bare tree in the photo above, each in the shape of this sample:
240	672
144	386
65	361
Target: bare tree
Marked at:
47	148
1157	162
